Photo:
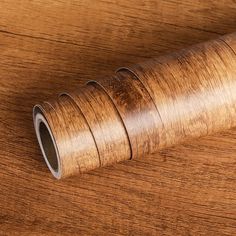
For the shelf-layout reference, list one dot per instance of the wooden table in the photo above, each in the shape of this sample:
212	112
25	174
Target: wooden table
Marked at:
47	47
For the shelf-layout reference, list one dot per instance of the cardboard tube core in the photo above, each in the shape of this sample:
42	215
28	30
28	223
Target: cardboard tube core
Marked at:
47	143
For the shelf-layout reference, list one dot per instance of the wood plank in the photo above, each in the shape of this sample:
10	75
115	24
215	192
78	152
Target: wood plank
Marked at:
48	48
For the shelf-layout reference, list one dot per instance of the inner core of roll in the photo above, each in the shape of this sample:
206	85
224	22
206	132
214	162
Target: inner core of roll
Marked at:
47	143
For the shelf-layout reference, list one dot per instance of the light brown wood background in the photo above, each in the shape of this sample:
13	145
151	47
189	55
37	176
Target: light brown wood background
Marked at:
47	47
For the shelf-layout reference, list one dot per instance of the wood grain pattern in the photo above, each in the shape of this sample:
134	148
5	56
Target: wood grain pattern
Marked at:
193	90
186	190
136	110
149	106
95	106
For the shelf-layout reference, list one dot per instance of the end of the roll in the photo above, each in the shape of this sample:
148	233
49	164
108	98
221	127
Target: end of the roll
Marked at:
47	142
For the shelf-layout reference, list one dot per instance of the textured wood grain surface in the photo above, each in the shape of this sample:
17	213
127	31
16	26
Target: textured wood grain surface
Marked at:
48	48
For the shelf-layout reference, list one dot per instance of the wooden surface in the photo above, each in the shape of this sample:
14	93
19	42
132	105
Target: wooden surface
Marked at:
47	48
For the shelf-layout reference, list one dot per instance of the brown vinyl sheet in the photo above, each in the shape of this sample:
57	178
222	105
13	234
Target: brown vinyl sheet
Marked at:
141	109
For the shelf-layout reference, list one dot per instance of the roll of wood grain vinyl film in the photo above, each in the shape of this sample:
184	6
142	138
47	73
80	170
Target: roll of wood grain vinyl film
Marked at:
141	109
